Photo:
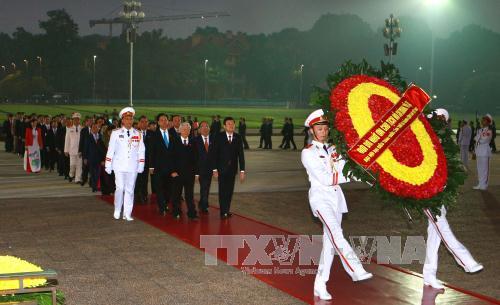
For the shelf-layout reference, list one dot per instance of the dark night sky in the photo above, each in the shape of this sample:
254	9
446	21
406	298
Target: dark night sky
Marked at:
254	16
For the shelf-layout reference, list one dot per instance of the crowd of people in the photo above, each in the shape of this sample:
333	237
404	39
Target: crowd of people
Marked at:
177	152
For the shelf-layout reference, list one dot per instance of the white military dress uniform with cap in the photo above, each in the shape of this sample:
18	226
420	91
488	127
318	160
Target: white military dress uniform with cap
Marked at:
125	157
483	153
71	144
324	168
438	230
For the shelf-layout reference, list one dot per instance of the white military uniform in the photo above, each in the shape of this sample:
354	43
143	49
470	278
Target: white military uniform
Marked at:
71	143
125	157
464	143
483	155
439	230
328	203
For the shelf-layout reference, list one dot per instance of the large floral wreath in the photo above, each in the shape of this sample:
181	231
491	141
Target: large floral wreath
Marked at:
420	169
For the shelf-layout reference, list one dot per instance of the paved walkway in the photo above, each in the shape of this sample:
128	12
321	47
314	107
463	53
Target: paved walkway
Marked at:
102	261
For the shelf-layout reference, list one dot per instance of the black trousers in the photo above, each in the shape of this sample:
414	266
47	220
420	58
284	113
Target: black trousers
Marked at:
245	142
85	173
226	189
44	155
268	142
153	183
9	143
289	138
95	173
205	182
141	186
261	140
164	188
60	163
66	165
53	158
185	183
107	183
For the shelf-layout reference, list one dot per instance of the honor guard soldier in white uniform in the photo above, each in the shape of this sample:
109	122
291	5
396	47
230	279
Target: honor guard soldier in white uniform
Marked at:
324	168
71	144
125	157
439	230
483	152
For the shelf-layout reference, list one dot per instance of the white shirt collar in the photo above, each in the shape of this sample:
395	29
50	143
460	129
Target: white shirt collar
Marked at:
184	139
319	144
229	135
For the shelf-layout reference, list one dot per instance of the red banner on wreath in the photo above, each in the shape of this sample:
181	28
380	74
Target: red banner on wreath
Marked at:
389	127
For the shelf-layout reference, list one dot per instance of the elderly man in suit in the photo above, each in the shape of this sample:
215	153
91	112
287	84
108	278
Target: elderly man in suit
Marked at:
161	162
185	170
228	153
205	147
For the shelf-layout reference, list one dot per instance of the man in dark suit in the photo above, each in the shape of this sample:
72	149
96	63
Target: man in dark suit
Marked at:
205	147
44	152
50	144
84	134
59	146
93	155
8	127
141	184
228	153
176	123
242	130
186	167
215	127
162	162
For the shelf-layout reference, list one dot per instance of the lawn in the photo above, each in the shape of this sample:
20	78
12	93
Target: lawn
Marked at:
253	115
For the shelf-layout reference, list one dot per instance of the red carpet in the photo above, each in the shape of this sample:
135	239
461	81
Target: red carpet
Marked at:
390	285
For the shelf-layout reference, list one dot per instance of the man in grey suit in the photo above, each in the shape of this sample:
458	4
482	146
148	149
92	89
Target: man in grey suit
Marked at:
464	142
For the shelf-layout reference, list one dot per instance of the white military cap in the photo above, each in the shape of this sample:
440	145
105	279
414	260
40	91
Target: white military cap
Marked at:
442	112
127	111
317	117
488	117
76	115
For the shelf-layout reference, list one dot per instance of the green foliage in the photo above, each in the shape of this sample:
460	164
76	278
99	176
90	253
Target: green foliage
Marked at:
42	298
456	173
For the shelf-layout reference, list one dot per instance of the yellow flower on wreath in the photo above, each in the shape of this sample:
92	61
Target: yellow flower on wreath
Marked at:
362	122
12	264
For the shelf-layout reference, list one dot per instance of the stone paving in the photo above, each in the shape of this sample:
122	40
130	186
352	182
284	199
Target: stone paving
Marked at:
62	226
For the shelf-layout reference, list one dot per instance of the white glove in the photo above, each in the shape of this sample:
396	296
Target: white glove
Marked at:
108	170
140	170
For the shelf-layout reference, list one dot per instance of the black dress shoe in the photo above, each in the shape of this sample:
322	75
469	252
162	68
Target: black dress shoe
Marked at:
163	213
70	179
177	215
193	217
204	211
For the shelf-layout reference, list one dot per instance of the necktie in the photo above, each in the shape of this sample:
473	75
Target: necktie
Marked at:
76	128
326	149
165	139
185	142
128	133
230	140
206	144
